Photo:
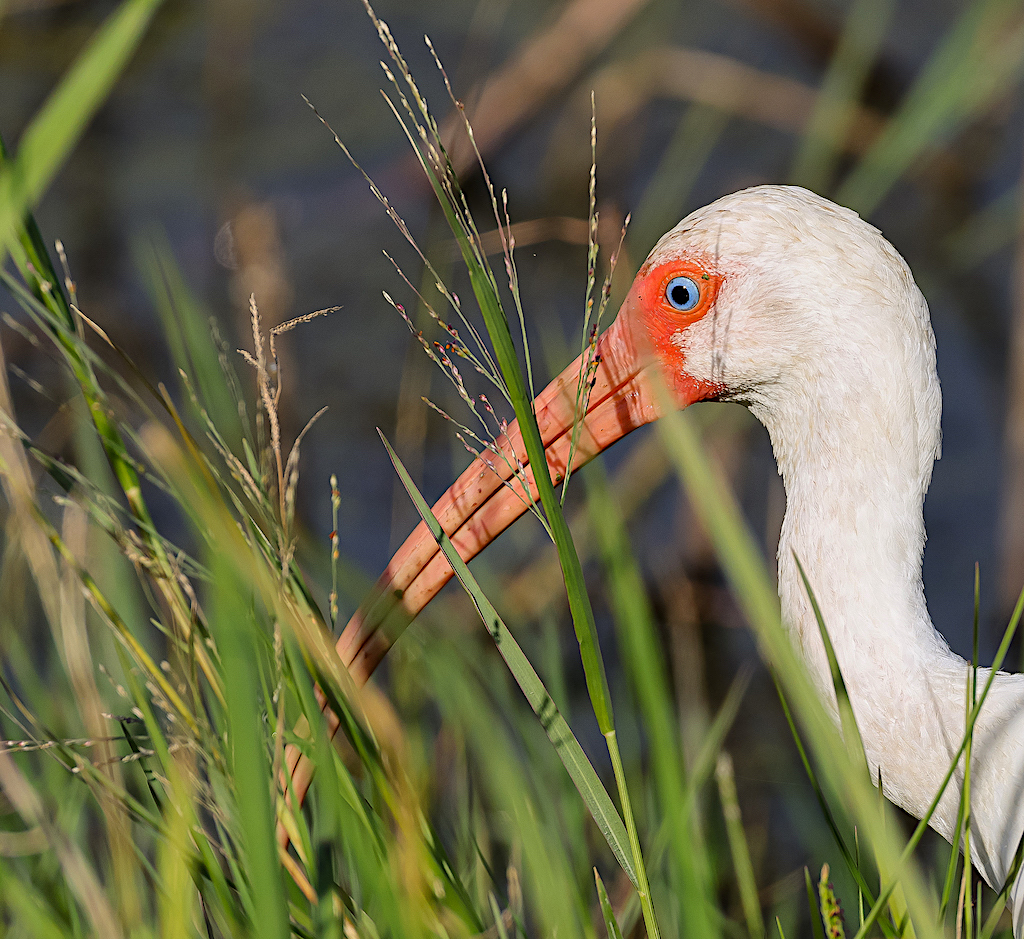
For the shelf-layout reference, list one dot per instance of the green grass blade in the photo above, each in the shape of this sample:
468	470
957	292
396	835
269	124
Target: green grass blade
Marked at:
949	90
738	846
441	174
852	861
848	70
431	153
851	732
610	923
187	330
753	587
59	124
565	743
666	196
638	640
230	619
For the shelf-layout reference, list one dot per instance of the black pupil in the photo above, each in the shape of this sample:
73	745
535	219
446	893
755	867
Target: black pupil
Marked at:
680	295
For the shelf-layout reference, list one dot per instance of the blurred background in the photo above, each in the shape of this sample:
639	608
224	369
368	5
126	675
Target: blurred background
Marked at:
909	112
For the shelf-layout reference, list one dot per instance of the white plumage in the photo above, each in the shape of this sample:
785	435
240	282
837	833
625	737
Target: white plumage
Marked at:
821	331
810	318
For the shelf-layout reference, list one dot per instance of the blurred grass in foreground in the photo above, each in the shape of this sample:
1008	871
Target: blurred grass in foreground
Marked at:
443	812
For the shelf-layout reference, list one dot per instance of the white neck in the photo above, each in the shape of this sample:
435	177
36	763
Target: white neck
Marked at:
819	328
855	493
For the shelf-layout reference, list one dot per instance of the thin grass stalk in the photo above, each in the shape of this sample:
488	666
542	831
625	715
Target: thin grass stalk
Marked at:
638	640
591	320
568	748
954	859
441	174
965	798
963	810
860	893
742	864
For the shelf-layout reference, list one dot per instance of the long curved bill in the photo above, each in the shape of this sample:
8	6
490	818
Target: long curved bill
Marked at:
492	493
499	487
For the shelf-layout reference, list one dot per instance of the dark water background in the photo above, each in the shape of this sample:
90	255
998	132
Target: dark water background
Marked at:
208	129
209	120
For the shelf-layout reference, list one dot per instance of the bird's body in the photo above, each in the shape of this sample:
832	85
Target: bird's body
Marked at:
795	307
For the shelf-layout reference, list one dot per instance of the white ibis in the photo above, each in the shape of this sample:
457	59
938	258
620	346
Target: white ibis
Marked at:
795	307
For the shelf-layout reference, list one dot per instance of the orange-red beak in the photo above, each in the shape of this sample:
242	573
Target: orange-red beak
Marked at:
490	495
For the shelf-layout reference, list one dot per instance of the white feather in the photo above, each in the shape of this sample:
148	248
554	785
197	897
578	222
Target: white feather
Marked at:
821	331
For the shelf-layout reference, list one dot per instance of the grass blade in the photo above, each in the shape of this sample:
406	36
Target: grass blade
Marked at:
229	619
433	158
59	124
851	732
738	845
949	90
848	70
753	587
638	640
565	743
610	923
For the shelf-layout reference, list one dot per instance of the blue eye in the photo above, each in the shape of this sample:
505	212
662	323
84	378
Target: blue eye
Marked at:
682	293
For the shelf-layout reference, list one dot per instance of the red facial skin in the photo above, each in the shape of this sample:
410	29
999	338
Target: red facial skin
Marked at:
480	505
661	321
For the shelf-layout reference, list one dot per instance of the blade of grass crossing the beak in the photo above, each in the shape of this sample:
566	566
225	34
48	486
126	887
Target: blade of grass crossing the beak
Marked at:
579	601
445	184
442	177
565	743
